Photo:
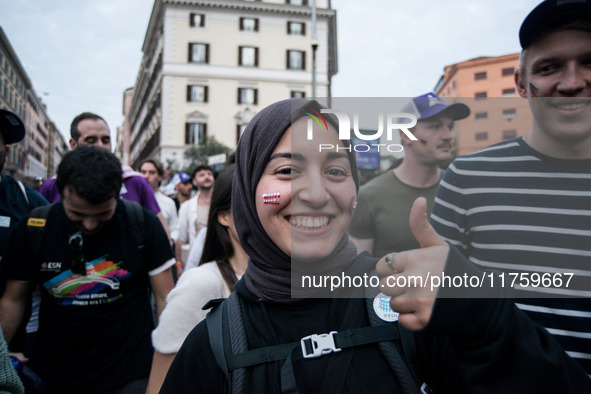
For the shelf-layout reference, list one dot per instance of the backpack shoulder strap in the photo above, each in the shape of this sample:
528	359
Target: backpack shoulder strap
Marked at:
226	337
135	216
22	187
404	365
215	329
35	230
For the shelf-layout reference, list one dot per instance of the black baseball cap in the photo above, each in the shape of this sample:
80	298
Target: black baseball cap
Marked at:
550	14
11	127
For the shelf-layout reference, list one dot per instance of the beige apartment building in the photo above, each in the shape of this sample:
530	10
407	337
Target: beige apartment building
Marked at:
486	85
210	65
124	131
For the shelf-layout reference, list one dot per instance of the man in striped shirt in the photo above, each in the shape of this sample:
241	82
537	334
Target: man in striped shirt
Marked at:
523	207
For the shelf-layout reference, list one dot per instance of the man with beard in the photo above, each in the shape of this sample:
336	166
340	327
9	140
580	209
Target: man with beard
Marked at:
380	223
95	257
194	213
183	185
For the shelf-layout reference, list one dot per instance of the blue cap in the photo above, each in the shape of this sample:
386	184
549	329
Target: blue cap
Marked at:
429	105
181	177
11	127
550	14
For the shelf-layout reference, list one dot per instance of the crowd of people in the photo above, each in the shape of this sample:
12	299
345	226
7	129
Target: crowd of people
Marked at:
117	281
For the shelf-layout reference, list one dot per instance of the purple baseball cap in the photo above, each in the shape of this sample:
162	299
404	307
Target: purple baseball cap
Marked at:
428	105
550	14
11	127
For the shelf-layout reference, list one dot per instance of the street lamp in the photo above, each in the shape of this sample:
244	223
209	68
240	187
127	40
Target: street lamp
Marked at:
314	49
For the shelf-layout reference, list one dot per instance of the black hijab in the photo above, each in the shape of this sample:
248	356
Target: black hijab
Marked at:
268	275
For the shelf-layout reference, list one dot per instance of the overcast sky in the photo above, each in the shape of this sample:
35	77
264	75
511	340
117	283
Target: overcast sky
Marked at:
82	54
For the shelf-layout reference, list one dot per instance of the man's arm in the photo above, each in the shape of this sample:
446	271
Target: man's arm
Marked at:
363	244
183	237
449	214
12	306
161	284
160	365
178	251
49	191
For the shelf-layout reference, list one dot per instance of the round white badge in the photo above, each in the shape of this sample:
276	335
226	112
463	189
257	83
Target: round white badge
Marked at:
381	306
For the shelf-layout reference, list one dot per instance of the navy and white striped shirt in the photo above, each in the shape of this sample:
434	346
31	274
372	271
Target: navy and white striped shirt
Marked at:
510	208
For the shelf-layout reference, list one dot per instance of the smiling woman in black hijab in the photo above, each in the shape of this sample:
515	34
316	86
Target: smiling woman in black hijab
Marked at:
269	275
292	203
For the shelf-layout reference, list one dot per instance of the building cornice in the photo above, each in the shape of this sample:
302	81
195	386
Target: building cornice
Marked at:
451	70
486	60
257	6
14	59
241	5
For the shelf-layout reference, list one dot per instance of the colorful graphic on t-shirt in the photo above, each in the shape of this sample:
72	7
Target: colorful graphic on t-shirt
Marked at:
101	274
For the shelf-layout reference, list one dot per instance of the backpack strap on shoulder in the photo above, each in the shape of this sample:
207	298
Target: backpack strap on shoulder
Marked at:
135	216
238	340
226	337
215	329
404	370
22	187
228	342
35	230
311	346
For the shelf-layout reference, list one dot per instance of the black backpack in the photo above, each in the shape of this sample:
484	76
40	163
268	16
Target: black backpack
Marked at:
228	342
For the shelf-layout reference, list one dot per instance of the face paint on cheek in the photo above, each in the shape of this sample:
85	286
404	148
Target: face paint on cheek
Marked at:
271	198
533	89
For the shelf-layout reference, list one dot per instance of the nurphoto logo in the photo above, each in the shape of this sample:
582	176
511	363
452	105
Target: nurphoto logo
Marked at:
391	122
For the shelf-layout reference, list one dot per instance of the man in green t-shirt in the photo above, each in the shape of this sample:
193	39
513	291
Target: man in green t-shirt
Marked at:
380	223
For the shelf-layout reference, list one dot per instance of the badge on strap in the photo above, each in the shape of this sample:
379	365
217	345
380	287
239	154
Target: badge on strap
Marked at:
381	306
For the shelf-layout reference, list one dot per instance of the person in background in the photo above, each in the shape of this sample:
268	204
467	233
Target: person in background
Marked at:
197	248
223	262
183	184
380	223
153	172
522	206
9	379
167	176
91	129
193	213
16	201
94	273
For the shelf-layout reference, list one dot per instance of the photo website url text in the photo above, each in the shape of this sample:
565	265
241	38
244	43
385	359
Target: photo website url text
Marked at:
433	282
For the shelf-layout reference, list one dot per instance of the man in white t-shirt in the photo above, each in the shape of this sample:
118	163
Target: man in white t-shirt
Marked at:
194	213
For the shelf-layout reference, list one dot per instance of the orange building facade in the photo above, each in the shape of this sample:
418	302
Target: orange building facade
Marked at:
486	85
